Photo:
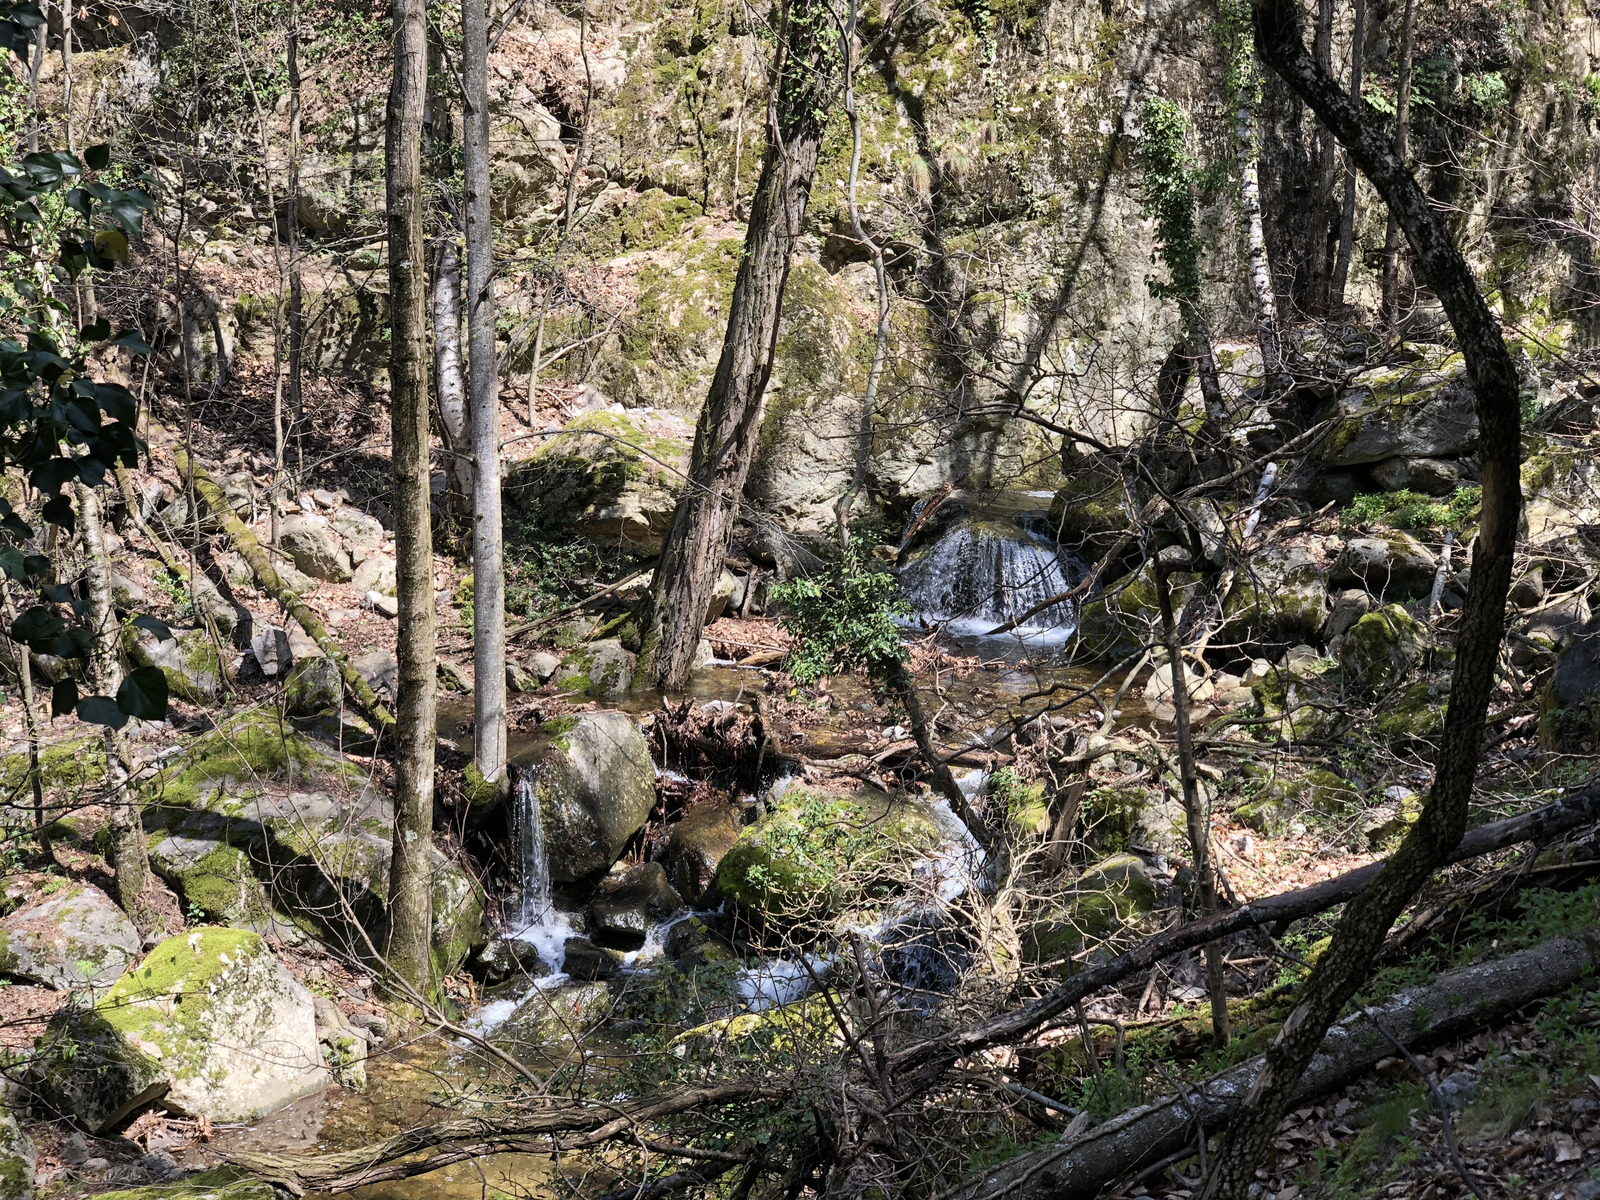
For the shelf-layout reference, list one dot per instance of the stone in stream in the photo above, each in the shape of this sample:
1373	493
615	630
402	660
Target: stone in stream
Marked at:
345	1046
72	937
210	1023
603	668
555	1016
584	960
623	914
692	942
511	958
694	849
596	786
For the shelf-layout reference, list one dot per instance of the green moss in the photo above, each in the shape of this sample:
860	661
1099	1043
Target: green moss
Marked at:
67	766
250	748
1328	793
1417	713
1111	815
1113	895
219	1183
1382	646
654	219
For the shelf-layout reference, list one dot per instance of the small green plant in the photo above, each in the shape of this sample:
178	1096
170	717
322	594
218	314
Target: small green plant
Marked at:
1406	509
842	619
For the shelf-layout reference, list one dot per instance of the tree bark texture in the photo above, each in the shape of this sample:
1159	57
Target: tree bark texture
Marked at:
1367	919
1347	210
805	89
1258	266
410	876
1450	1006
449	384
1327	162
488	561
1402	130
130	860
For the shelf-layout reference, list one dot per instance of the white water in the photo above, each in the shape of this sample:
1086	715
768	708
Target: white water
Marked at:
975	578
535	919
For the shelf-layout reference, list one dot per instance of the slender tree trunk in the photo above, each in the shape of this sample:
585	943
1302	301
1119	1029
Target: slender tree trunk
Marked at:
488	564
725	437
1206	367
1198	819
1402	123
30	720
1345	965
1347	211
41	36
297	316
130	862
1259	268
450	386
410	878
1327	160
66	71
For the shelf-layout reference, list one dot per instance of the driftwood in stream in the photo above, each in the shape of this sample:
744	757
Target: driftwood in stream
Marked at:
1453	1005
211	497
929	1058
724	744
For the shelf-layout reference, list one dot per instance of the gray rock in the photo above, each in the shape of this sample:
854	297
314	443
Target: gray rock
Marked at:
695	847
389	606
313	687
556	1016
596	787
727	584
191	661
325	498
1430	476
693	942
375	574
126	593
583	960
1528	590
624	913
356	528
379	668
452	676
511	958
345	1046
73	937
1413	410
518	679
312	543
1278	600
1349	606
1392	566
543	664
602	668
1459	1089
18	1160
270	646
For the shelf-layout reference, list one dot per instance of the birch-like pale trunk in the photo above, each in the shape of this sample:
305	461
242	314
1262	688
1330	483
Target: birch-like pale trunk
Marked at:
1402	131
449	384
1347	211
1258	266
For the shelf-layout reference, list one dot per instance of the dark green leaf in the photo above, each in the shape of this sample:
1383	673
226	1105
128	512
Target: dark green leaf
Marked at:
97	332
143	694
37	624
102	710
98	157
63	698
13	563
132	339
58	509
155	625
56	593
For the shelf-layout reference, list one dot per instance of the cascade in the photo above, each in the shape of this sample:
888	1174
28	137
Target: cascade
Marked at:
980	574
533	863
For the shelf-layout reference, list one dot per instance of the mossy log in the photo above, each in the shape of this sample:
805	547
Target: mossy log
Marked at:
210	495
1453	1005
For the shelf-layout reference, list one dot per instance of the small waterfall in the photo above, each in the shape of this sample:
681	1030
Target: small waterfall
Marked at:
533	864
981	574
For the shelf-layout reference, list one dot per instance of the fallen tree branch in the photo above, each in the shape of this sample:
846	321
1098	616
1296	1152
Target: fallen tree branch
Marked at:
210	495
932	1056
1453	1005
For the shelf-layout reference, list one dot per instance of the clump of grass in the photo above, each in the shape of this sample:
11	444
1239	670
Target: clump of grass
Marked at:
1406	509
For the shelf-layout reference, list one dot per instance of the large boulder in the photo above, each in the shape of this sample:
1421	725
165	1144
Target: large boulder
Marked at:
1382	646
1423	409
695	848
69	936
1124	617
603	668
1114	896
258	823
613	475
1279	600
1089	514
314	686
311	541
815	854
18	1159
1570	705
195	667
621	915
211	1023
551	1017
1392	565
595	785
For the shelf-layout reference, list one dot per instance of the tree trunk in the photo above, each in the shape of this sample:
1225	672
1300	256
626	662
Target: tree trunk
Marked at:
1198	819
41	36
1367	919
130	861
1347	211
410	875
297	315
488	564
725	436
1327	161
1259	265
1402	123
449	385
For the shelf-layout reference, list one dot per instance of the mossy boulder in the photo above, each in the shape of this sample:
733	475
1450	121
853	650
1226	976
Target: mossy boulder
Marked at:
215	878
595	785
1278	600
816	854
1089	514
312	688
219	1183
210	1022
1421	409
603	668
1393	565
1328	793
1125	616
553	1017
74	766
1417	712
1301	694
1382	646
1114	895
70	935
695	847
614	476
18	1159
196	669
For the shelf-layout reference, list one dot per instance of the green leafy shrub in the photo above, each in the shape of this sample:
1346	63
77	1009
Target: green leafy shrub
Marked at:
1406	509
842	619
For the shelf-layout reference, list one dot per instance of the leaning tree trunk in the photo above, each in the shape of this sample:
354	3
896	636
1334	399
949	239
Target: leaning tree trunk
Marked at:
1367	919
725	437
1347	210
410	871
488	562
130	860
1258	264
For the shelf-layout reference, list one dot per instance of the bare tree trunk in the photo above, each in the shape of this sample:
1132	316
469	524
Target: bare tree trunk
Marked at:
1347	211
725	436
66	71
449	385
1365	922
130	862
410	877
42	35
1198	819
1402	124
1327	160
1259	268
297	316
488	564
30	720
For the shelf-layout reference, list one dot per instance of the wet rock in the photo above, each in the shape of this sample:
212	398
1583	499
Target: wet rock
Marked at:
71	936
1089	514
344	1047
692	942
210	1022
695	848
518	679
1394	566
555	1016
623	914
313	687
586	961
1113	896
596	786
314	546
602	668
192	662
1382	646
511	958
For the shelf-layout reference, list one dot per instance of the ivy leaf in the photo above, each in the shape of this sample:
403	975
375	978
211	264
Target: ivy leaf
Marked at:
63	697
133	340
102	710
98	158
155	625
36	625
58	511
143	694
112	244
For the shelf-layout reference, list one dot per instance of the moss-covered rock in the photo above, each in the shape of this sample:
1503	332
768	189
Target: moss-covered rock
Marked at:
595	785
1089	514
1417	712
71	767
70	936
196	669
1114	895
18	1160
1382	646
219	1183
621	914
1393	564
312	688
1421	409
210	1021
603	668
1279	600
816	854
552	1017
695	847
1124	617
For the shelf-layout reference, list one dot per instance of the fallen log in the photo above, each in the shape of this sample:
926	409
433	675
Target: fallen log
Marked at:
932	1056
249	547
1452	1006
